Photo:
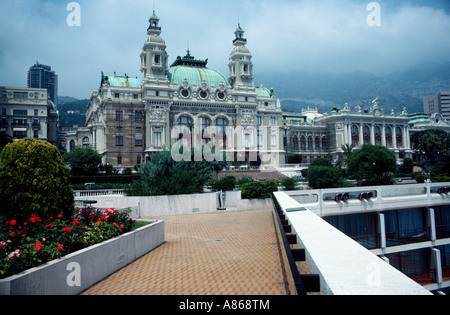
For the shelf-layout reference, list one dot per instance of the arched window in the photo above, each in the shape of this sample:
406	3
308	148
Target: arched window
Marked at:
377	135
317	143
206	130
366	134
184	128
324	143
302	143
221	131
355	135
295	143
310	143
72	145
85	142
399	136
389	137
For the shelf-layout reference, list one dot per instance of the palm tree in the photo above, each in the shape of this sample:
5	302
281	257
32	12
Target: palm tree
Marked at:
344	156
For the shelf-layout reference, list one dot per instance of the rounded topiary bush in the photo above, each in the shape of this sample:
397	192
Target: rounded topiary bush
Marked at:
34	180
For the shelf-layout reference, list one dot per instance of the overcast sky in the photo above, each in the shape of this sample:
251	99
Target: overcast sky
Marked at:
283	35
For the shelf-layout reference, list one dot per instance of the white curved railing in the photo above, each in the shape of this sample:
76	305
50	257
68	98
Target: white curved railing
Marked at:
344	266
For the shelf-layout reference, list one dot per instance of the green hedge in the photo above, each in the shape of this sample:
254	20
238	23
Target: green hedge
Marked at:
259	189
33	180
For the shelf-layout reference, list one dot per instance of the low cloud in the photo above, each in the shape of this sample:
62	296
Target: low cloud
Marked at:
283	35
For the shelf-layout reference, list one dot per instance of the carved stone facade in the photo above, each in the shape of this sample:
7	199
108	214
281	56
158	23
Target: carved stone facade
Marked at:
185	103
316	135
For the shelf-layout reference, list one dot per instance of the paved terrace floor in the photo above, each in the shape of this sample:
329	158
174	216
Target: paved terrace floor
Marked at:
223	253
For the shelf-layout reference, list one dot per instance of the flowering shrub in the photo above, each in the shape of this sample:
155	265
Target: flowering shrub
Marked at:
24	245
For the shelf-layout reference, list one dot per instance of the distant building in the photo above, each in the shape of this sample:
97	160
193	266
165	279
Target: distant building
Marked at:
438	103
42	77
28	113
316	135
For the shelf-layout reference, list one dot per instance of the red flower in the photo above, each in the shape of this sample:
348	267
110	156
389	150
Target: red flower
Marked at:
67	229
35	219
114	224
60	247
13	222
121	226
60	216
38	246
76	222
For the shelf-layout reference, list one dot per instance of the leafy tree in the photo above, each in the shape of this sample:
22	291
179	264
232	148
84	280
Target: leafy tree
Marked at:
137	188
407	167
83	161
288	183
225	184
243	180
259	189
441	168
373	164
321	162
433	144
320	177
34	179
164	176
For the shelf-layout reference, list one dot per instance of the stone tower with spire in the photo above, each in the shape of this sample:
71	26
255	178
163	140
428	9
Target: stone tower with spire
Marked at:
240	63
154	58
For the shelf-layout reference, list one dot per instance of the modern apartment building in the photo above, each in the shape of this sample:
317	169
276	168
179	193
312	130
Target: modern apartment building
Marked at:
438	103
42	77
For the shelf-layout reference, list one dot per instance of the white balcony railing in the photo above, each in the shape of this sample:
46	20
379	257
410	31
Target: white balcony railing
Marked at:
344	266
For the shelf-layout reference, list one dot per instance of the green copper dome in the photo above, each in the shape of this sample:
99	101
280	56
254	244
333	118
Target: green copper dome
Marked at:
194	71
197	75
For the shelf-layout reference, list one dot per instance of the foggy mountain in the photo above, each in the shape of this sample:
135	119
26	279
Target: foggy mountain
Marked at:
325	91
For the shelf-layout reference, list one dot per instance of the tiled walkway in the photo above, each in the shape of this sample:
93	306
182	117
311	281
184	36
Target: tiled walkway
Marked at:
224	253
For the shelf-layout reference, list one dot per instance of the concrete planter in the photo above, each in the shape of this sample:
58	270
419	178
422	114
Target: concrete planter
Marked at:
78	271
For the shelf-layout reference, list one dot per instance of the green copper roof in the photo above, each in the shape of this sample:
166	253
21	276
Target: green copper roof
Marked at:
197	75
117	81
264	92
194	70
125	82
